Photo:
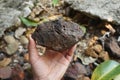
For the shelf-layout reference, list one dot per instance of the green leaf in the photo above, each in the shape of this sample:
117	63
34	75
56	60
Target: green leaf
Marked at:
55	2
28	22
117	77
83	28
107	70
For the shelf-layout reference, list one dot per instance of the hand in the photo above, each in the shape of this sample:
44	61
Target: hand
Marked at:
50	66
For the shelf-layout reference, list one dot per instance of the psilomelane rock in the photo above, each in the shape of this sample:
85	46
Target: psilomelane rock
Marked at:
104	9
58	35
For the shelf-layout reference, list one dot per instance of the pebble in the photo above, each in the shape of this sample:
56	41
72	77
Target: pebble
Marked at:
9	39
75	70
26	66
24	40
12	48
5	62
20	49
5	72
19	32
26	57
2	56
26	11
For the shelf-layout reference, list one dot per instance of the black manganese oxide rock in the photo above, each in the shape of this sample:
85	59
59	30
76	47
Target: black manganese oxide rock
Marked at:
58	35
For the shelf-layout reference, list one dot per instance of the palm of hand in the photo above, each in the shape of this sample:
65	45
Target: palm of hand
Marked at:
52	65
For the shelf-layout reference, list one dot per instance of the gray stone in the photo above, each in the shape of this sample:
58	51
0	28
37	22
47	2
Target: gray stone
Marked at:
10	10
8	17
105	9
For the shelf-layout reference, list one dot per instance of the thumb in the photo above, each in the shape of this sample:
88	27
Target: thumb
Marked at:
32	49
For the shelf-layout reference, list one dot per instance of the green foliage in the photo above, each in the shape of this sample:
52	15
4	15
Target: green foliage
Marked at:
107	70
83	28
28	22
55	2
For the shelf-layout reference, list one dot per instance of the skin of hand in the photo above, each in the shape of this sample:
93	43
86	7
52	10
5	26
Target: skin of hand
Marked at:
52	65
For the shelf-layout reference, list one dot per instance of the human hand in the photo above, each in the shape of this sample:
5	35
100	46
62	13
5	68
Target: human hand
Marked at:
52	65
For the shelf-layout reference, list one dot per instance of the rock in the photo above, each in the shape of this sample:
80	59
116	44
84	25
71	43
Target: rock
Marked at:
2	55
9	39
8	18
24	40
19	32
26	11
5	72
74	71
112	47
26	57
12	44
104	9
12	48
5	62
17	73
26	66
58	35
10	11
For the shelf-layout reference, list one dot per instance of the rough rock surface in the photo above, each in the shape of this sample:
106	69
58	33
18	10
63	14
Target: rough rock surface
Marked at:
111	45
10	10
104	9
58	35
75	71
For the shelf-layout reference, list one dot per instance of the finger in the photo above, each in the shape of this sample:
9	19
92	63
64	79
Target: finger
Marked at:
71	50
69	53
32	49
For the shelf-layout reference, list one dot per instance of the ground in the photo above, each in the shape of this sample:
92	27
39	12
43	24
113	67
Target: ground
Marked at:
101	42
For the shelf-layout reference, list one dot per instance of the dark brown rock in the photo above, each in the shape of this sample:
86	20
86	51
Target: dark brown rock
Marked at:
75	71
58	35
112	47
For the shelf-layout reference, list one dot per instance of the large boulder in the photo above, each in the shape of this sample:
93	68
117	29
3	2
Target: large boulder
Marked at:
10	10
105	9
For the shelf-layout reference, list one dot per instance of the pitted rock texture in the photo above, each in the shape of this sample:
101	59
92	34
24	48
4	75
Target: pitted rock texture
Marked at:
104	9
58	35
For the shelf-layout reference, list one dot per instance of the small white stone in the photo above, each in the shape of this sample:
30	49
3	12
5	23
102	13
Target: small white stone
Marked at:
26	11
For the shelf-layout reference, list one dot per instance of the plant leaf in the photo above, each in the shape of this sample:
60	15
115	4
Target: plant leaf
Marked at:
55	2
117	77
83	28
28	22
107	70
